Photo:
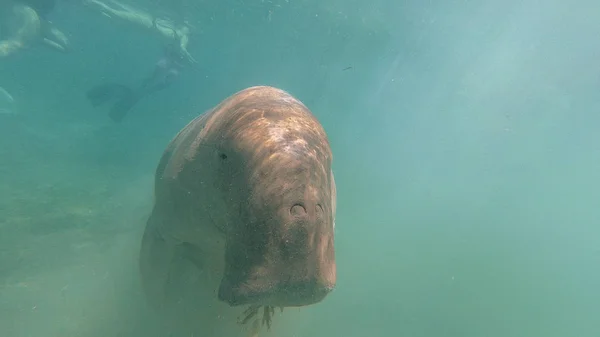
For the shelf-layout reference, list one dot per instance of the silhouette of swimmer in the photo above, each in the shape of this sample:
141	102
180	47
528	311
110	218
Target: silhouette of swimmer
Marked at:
166	70
24	23
164	28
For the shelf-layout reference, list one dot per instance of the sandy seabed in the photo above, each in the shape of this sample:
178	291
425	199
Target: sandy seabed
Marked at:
70	237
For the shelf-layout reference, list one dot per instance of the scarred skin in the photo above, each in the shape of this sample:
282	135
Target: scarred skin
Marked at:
246	192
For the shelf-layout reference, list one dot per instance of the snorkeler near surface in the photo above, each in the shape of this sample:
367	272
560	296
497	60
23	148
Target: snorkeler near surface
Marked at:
125	98
24	23
166	29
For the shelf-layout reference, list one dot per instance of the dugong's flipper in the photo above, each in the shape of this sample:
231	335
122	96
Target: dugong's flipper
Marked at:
160	257
156	257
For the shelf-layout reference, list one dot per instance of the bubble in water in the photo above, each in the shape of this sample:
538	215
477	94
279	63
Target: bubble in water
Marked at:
7	103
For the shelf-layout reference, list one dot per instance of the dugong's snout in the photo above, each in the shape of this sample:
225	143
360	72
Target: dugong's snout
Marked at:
276	174
284	295
293	266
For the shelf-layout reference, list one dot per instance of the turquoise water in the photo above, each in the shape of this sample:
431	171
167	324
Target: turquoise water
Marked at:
466	154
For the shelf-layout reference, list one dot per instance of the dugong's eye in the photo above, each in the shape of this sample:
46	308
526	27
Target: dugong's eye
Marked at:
223	156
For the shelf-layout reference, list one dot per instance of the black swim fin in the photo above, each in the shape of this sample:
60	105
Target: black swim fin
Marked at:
123	105
103	93
125	98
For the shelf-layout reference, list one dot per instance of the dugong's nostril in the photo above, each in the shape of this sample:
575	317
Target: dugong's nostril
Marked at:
297	210
320	209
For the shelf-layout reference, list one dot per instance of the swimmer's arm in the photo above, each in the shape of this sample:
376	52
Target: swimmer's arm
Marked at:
183	42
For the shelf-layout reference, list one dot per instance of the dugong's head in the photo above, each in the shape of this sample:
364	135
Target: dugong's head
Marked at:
275	172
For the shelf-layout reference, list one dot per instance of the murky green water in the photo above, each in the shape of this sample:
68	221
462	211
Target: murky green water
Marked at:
466	154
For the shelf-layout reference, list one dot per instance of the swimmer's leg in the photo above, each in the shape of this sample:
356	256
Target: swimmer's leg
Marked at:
134	16
126	7
101	6
103	93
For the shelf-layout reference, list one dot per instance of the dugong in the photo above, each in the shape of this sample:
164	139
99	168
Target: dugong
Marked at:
245	198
